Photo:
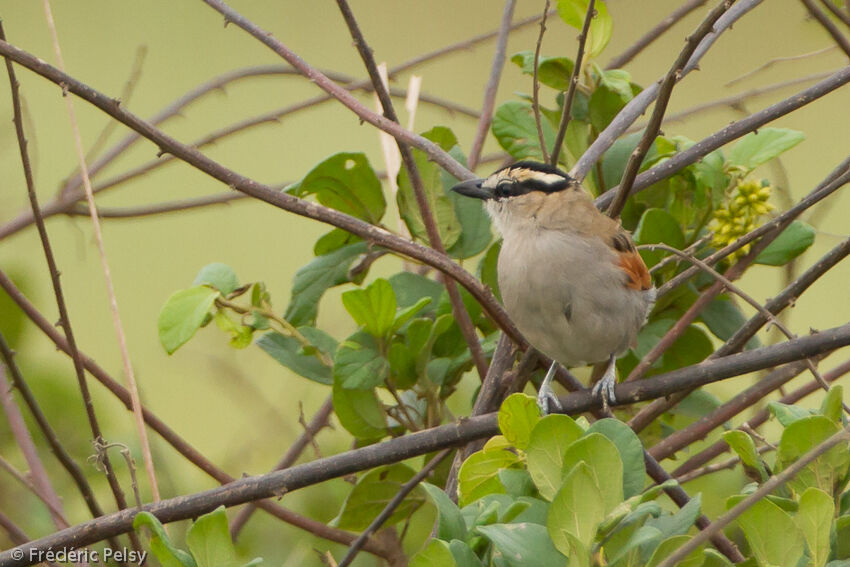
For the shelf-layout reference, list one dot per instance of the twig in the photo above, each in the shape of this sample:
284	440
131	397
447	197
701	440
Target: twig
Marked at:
388	510
57	513
839	38
836	12
492	86
535	86
166	207
734	100
168	434
320	421
110	288
268	194
761	417
772	484
41	485
65	459
459	311
775	60
427	441
566	112
665	90
64	318
653	34
16	534
341	94
716	467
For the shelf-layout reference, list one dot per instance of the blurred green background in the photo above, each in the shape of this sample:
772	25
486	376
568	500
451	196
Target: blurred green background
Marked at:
240	408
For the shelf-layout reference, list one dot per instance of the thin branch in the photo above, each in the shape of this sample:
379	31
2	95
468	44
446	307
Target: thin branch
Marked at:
735	100
535	86
638	105
757	420
321	80
459	311
110	288
567	110
839	38
731	132
56	512
653	34
836	12
391	506
772	484
427	441
64	317
770	63
492	86
41	485
65	459
320	421
161	208
665	90
268	194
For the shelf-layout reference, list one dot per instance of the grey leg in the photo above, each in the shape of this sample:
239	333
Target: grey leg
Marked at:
605	386
546	398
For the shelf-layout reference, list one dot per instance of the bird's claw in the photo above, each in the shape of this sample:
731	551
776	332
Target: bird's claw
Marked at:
546	398
605	387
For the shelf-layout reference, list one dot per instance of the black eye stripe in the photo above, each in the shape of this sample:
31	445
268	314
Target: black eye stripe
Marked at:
524	177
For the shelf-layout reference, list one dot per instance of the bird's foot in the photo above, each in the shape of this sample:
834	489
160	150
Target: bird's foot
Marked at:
546	398
605	387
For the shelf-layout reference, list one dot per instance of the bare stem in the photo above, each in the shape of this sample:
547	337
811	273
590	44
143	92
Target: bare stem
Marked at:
535	86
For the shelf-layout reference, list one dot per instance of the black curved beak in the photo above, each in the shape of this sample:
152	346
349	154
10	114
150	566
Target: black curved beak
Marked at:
473	188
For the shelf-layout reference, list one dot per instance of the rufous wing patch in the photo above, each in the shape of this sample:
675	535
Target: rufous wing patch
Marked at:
631	262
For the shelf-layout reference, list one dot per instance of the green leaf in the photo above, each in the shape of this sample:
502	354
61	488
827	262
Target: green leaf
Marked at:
359	364
435	554
760	147
615	159
439	201
463	555
603	458
814	518
553	72
218	276
521	545
658	226
842	537
671	544
165	552
577	509
573	13
488	269
333	240
679	523
373	307
547	446
636	550
410	288
723	318
288	352
787	414
792	242
209	540
831	407
479	474
714	558
517	417
631	452
373	492
405	315
183	314
450	524
517	482
347	183
316	277
360	412
743	445
516	131
773	537
605	103
800	437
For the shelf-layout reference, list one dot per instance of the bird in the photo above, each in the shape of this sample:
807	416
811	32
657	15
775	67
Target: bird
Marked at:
570	277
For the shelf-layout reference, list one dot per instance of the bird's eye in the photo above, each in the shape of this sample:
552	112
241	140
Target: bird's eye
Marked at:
505	188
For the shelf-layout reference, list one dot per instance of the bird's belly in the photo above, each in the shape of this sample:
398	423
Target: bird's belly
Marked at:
570	301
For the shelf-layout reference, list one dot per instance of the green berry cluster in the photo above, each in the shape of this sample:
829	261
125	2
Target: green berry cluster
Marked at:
741	213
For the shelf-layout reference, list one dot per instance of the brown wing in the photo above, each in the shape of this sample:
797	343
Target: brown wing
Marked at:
630	262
